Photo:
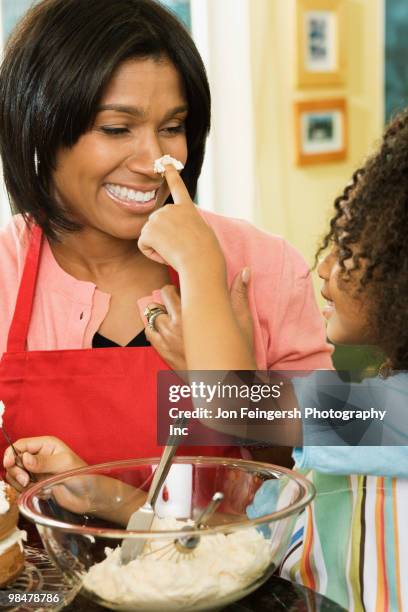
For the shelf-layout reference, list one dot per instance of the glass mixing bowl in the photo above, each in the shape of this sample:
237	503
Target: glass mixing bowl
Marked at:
82	516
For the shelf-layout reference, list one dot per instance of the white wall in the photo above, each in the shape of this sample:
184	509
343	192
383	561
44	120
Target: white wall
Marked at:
297	202
221	30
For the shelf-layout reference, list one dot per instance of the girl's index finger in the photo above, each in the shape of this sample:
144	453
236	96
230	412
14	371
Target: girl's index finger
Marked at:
177	186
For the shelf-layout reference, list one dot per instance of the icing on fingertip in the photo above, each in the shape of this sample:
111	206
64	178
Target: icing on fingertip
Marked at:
159	164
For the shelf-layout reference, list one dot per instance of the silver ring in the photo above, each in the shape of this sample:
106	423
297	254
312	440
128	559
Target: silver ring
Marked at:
153	318
151	315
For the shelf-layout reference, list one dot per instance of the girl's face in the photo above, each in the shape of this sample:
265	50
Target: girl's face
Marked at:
106	179
346	311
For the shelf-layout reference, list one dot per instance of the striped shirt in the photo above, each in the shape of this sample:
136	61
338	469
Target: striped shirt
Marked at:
351	543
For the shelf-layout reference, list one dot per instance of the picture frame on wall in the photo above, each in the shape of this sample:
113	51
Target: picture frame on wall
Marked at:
320	46
320	131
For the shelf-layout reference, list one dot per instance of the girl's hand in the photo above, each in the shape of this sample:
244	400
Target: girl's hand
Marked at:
240	305
42	456
177	235
167	335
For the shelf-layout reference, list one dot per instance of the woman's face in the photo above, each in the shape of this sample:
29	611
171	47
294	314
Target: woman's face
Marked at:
106	179
346	311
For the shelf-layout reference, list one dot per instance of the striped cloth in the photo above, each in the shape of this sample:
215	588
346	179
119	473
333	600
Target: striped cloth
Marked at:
351	543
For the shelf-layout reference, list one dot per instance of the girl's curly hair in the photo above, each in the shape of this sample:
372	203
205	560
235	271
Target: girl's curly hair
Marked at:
370	227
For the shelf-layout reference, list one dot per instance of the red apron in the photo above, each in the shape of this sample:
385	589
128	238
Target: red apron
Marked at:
101	402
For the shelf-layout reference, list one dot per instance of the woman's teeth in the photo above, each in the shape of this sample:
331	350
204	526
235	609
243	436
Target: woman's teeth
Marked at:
131	194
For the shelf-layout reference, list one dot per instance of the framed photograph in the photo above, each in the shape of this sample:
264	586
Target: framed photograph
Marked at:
320	52
321	131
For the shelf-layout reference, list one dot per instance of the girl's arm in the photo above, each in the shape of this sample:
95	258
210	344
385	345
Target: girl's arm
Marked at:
177	235
213	338
217	326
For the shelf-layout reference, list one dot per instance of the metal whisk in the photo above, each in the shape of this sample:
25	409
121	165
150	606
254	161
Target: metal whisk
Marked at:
183	547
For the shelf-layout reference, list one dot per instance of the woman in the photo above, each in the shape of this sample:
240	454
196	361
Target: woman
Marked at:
102	90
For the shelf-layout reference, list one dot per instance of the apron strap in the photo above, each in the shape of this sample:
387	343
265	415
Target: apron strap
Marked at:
17	337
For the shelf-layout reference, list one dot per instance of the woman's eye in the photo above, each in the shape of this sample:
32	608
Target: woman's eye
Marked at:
175	129
113	131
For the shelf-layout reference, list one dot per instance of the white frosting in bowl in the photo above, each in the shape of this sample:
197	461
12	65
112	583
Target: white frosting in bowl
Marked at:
161	579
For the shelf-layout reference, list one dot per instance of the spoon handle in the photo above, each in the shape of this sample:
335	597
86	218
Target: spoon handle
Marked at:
17	456
161	473
163	468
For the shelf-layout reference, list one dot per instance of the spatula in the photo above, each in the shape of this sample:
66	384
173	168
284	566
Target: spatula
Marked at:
142	519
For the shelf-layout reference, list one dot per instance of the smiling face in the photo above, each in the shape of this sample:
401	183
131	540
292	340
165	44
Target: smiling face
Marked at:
346	311
106	180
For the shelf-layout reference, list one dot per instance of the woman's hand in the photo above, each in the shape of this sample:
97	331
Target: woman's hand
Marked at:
177	235
42	456
167	335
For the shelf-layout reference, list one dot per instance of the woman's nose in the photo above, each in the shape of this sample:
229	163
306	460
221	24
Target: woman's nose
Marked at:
141	159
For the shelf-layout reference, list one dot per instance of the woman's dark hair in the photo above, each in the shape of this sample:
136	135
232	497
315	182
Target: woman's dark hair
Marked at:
370	227
57	65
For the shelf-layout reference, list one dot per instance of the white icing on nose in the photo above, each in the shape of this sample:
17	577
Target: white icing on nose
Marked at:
159	164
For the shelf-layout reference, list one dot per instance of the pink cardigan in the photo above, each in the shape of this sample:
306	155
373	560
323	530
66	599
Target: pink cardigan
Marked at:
288	329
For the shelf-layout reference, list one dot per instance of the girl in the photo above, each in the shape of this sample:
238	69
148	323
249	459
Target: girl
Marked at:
351	543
